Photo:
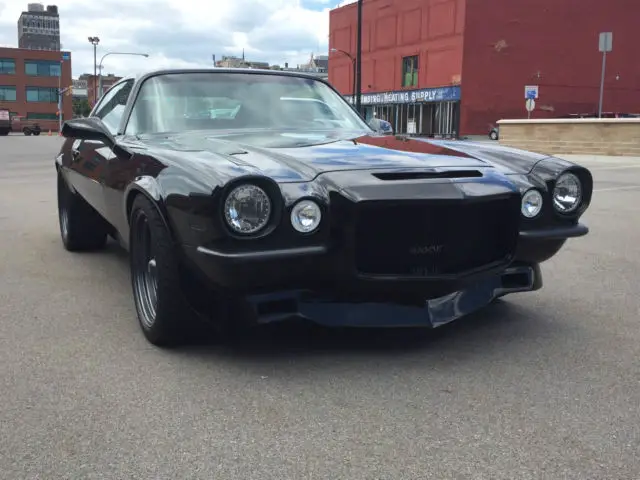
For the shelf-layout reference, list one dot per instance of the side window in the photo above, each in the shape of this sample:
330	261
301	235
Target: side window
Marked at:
112	105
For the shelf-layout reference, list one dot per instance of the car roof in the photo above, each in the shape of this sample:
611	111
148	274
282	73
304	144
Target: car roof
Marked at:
141	76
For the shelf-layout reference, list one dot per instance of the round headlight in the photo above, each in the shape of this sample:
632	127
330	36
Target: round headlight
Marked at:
531	203
567	193
247	209
306	216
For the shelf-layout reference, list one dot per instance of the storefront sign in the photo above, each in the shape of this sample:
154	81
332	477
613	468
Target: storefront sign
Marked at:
438	94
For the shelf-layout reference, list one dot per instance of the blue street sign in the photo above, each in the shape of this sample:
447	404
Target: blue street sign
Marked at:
531	94
66	56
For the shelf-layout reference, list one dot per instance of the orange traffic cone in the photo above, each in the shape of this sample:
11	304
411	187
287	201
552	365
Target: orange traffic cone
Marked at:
49	132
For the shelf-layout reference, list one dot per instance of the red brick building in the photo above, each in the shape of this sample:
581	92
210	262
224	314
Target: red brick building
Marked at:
29	82
93	84
458	66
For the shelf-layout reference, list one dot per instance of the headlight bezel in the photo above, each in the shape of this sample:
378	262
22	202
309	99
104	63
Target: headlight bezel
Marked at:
273	193
306	201
530	192
577	207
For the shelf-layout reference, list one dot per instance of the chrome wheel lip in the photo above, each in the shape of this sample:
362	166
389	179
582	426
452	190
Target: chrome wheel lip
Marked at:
144	271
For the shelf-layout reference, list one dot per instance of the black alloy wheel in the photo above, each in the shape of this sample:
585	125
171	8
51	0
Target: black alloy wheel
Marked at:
81	227
163	312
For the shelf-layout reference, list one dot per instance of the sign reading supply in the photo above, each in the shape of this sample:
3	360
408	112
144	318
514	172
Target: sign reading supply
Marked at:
437	94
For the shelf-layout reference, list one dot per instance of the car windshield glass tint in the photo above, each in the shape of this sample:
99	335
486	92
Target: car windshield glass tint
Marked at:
183	102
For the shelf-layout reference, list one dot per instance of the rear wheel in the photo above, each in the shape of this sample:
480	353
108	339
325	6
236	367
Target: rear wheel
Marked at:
26	131
162	309
81	227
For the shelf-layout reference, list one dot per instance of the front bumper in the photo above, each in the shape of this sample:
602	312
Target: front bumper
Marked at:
270	308
318	268
314	283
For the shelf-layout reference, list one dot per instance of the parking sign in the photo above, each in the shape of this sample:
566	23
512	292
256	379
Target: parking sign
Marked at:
531	92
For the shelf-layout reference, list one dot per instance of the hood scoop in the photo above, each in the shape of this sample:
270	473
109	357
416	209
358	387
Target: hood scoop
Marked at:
396	176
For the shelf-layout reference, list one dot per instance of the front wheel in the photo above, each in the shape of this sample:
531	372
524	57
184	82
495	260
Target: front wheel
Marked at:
493	135
26	131
163	312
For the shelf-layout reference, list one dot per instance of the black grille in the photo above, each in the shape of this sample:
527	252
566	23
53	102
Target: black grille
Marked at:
431	239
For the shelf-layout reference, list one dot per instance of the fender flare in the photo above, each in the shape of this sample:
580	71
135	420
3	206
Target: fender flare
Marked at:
149	187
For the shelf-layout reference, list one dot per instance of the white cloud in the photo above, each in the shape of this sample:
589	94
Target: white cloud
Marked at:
182	32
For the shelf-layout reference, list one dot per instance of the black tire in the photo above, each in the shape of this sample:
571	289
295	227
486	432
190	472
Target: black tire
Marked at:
81	227
26	131
163	311
4	132
36	133
493	135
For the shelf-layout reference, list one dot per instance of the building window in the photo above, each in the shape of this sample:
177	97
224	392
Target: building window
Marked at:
41	116
7	66
42	94
41	68
8	94
410	71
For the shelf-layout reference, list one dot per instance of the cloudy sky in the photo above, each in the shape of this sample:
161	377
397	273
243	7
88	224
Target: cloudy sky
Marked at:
183	32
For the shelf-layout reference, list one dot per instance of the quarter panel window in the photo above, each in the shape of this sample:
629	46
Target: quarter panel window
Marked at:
112	105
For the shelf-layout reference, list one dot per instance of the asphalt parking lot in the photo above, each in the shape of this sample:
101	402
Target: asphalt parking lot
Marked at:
543	385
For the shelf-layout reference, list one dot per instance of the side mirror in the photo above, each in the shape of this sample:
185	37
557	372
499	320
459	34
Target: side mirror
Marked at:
90	128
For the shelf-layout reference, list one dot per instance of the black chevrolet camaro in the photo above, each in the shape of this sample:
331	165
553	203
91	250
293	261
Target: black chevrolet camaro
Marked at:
247	196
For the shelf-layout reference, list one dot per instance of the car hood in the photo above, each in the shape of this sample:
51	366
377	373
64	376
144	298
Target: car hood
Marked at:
294	156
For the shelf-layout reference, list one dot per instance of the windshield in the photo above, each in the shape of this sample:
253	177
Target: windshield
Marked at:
182	102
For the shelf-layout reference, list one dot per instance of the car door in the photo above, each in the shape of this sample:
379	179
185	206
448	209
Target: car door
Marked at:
89	158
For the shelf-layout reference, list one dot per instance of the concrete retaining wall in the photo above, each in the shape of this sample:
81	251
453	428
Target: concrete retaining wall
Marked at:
594	136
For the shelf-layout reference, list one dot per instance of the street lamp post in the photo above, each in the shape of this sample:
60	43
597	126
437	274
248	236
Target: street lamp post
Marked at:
94	41
359	60
353	63
146	55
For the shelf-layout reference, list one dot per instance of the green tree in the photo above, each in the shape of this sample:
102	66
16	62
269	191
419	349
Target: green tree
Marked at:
81	107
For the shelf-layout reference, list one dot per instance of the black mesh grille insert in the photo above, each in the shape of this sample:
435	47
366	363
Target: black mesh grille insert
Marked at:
430	239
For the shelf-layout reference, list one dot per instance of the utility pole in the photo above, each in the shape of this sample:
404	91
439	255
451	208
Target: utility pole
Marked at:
358	92
60	99
95	41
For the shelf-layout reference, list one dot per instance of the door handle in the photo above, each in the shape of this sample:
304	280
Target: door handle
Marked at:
75	155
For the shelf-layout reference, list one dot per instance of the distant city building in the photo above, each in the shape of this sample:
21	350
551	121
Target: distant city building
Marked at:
80	88
29	83
230	61
317	66
39	28
91	83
